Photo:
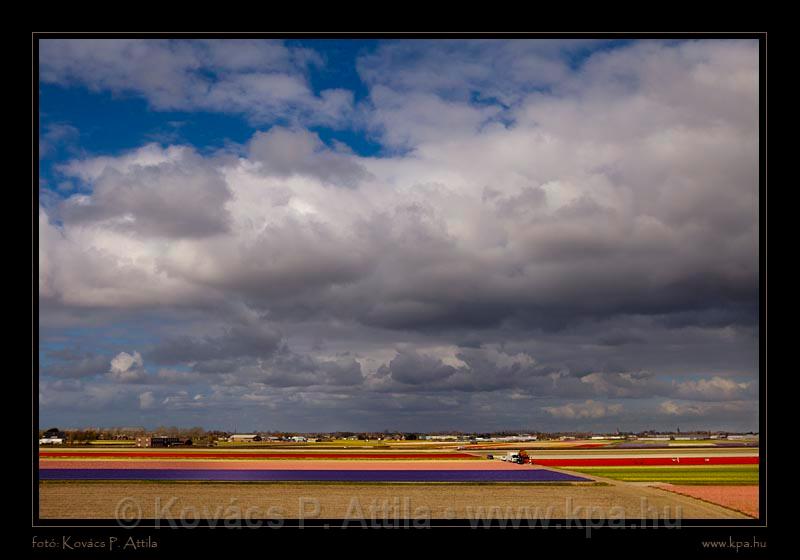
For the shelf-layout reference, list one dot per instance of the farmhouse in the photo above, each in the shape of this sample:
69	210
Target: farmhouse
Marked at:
54	433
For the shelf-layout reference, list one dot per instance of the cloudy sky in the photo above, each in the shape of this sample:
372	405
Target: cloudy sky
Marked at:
405	235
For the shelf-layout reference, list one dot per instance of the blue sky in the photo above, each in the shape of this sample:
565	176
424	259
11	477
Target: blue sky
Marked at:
372	234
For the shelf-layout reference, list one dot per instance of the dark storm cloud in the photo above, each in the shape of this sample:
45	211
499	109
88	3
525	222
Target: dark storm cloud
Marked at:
735	313
210	365
235	342
413	369
290	369
619	339
482	370
436	315
72	363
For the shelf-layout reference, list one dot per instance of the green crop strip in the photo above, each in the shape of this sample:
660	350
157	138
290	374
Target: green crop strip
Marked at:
745	474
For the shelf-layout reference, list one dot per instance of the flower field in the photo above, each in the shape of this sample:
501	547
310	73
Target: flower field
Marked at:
315	475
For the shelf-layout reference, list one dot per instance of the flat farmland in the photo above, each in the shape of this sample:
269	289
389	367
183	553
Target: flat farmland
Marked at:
100	500
251	454
90	483
299	470
630	453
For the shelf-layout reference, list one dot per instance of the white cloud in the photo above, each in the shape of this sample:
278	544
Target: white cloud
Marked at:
714	389
127	368
123	362
588	409
151	192
283	152
607	202
705	409
262	79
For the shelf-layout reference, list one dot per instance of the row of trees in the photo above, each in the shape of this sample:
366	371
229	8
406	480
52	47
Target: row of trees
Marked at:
86	435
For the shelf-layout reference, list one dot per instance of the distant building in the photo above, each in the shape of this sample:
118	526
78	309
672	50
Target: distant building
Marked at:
517	438
54	433
299	439
243	438
53	436
161	441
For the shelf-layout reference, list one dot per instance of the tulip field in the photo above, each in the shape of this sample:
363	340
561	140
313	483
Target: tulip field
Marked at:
707	483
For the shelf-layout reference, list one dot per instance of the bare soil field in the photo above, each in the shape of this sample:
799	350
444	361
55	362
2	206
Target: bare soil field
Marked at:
102	500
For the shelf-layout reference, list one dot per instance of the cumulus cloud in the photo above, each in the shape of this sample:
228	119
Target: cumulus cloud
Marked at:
702	409
262	79
151	192
536	229
540	223
284	152
236	341
127	368
414	369
715	389
587	409
290	369
624	384
124	362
